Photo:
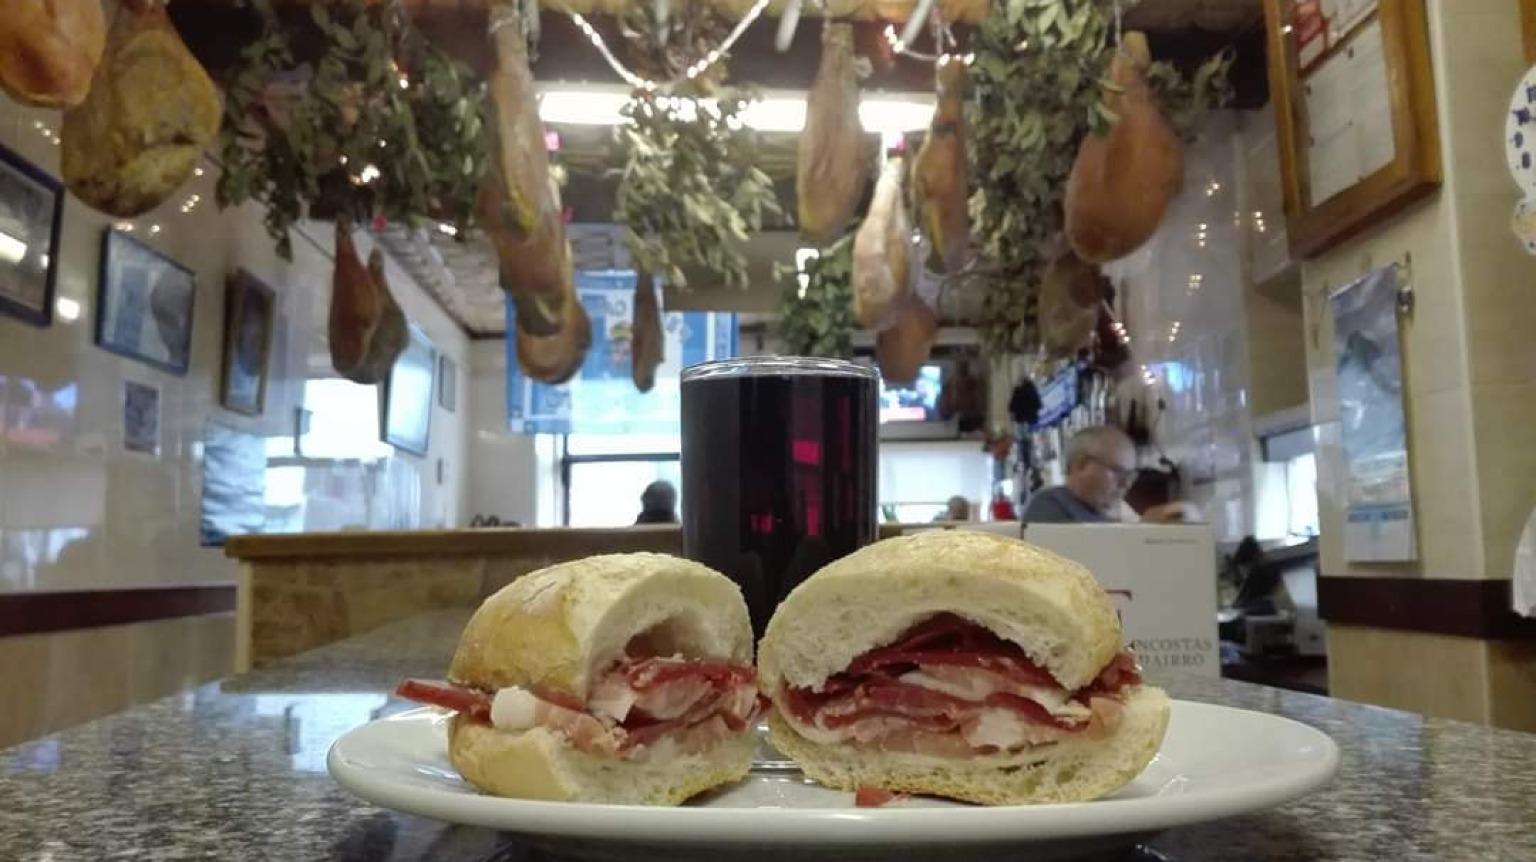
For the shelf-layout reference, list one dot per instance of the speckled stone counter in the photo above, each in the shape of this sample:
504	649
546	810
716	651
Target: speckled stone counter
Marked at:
236	770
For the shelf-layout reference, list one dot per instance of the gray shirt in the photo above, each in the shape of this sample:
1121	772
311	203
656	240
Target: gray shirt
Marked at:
1060	506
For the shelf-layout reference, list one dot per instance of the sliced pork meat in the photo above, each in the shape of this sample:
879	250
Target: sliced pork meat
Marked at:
951	688
684	706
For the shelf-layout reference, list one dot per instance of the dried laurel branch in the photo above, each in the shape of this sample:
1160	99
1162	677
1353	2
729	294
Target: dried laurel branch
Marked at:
338	133
690	192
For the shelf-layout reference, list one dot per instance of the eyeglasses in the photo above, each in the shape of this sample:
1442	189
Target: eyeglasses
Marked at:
1122	475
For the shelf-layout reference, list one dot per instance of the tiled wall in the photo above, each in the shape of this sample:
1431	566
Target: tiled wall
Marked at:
1468	350
1470	378
1182	301
77	510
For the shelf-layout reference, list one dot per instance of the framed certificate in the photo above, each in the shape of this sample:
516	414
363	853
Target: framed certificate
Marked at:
1353	94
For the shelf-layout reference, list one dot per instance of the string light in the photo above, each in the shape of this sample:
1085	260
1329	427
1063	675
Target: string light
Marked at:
902	48
694	71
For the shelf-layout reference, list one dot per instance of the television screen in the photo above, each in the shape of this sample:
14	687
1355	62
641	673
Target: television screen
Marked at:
914	402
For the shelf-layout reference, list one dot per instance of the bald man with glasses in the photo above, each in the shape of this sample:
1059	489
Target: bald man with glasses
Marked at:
1101	465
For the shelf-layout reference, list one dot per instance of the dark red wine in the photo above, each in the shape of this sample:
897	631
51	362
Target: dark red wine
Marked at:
778	470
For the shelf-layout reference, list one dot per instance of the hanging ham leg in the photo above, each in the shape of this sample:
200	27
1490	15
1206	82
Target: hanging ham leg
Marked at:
881	253
647	343
49	50
834	155
519	204
901	350
150	114
1122	181
940	177
389	338
355	306
556	358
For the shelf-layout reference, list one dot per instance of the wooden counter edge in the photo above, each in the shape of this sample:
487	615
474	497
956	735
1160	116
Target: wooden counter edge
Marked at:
574	541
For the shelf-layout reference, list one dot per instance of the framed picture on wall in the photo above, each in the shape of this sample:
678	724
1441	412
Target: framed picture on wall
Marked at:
249	307
141	418
31	205
447	384
144	305
407	396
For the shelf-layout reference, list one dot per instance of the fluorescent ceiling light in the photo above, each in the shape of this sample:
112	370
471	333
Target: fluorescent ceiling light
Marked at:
12	250
780	111
68	309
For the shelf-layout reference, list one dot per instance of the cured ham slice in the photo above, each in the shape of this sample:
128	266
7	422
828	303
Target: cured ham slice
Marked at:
49	50
940	176
1122	181
833	162
882	275
150	114
645	704
952	688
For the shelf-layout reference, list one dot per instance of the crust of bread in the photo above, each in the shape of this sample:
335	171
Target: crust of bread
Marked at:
556	629
1047	604
1070	771
540	764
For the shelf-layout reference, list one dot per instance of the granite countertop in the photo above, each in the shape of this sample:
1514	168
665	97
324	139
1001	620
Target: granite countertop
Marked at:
235	770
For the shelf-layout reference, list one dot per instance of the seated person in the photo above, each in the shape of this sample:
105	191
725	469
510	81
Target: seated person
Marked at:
1101	464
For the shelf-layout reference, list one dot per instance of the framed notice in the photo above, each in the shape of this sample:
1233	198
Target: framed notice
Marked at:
1353	93
1528	28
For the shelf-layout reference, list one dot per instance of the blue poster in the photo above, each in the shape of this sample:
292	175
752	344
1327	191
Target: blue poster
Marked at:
602	398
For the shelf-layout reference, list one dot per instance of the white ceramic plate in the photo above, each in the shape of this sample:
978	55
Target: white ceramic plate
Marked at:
1215	762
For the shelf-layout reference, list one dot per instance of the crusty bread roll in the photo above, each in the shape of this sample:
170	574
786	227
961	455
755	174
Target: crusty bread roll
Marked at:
1047	605
538	764
556	631
1043	602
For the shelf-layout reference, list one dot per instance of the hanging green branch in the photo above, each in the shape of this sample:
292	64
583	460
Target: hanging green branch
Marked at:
816	319
380	123
1036	80
1039	89
690	193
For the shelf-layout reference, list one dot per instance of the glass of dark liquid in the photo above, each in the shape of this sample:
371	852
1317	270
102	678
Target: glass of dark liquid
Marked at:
778	469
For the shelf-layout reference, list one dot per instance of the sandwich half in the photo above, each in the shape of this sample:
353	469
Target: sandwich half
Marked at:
958	664
622	679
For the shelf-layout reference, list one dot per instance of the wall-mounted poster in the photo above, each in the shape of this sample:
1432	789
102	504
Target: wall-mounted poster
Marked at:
31	203
602	398
1379	523
141	418
407	396
144	309
248	310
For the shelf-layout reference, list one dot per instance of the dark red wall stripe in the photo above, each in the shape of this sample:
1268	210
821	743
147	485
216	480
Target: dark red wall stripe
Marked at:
1479	609
37	613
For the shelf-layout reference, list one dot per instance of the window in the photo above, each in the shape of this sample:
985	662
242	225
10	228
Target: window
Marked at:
604	474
